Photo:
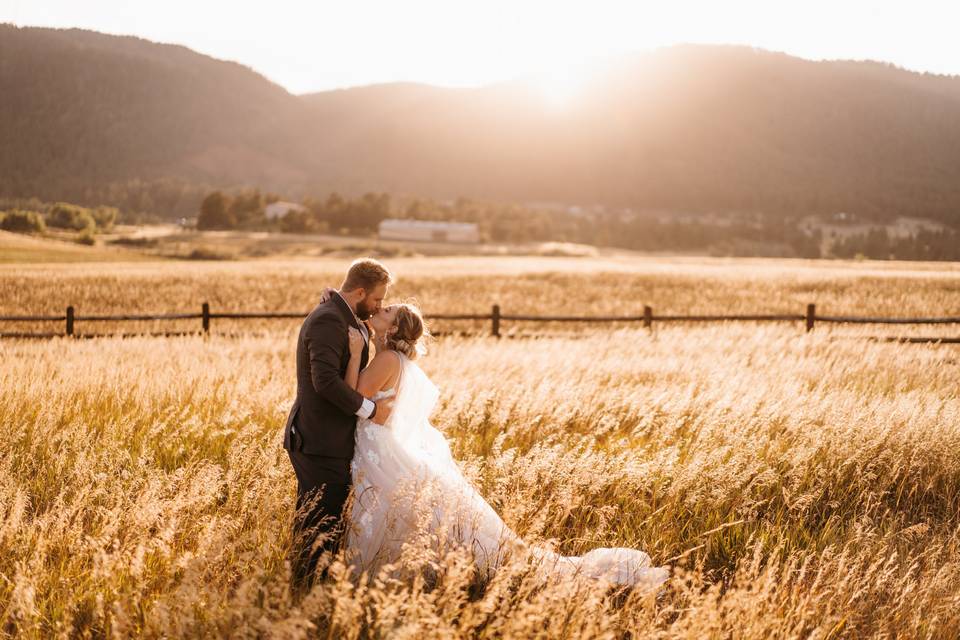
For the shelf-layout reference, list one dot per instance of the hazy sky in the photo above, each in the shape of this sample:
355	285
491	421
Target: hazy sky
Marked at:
314	44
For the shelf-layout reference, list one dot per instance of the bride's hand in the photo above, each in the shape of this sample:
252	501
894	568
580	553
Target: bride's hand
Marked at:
356	342
327	294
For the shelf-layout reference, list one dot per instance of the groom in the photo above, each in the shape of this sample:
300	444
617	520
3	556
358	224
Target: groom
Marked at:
320	428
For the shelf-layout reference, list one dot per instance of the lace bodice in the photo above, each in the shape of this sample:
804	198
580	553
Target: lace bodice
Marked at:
379	395
386	393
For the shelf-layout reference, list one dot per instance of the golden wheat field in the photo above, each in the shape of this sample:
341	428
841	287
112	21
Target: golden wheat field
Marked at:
615	286
799	485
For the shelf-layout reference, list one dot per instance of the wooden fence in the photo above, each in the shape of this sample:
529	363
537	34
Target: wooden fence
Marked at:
496	318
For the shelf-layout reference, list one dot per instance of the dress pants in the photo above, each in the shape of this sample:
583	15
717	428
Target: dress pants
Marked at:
323	485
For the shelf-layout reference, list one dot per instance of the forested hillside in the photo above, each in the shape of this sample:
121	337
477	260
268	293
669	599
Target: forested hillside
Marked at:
99	119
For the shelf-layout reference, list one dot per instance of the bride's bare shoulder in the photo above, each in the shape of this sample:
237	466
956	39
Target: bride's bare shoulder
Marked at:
387	358
381	373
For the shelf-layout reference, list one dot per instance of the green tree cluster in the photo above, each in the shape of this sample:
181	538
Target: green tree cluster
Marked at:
244	210
71	217
22	221
349	216
878	244
104	217
33	216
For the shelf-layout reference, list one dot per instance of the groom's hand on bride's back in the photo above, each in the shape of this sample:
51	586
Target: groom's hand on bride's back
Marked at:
383	411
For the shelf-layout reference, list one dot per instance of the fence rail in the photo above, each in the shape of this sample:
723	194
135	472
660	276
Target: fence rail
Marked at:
849	320
495	318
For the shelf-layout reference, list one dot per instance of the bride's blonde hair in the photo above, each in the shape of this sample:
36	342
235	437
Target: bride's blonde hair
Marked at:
411	332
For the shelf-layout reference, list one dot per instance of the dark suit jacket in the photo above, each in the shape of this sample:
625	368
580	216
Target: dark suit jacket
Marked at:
324	412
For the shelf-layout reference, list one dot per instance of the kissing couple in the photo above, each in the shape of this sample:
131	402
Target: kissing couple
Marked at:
361	427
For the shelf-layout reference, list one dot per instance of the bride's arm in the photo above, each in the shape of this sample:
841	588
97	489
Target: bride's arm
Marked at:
326	294
378	374
353	367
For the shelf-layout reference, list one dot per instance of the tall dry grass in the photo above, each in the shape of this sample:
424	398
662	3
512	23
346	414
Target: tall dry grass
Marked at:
801	486
542	286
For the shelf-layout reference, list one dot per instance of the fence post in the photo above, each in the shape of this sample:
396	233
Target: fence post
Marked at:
206	317
495	318
811	315
647	316
70	320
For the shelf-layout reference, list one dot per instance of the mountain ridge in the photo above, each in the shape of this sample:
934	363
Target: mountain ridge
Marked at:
711	128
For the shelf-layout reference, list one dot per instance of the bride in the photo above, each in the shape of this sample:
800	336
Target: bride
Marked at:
408	488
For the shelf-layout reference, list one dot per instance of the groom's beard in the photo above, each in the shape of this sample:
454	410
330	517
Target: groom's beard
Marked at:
364	313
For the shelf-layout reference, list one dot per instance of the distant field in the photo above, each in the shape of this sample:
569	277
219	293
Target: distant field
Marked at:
169	241
541	286
16	248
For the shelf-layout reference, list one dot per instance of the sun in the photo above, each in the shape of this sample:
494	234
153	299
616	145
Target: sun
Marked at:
560	89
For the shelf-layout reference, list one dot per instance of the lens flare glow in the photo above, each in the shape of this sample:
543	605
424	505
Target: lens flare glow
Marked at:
561	89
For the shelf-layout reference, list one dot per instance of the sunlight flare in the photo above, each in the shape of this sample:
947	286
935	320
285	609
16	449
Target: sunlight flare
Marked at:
560	89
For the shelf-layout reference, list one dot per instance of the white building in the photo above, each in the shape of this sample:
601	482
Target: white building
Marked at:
428	231
280	208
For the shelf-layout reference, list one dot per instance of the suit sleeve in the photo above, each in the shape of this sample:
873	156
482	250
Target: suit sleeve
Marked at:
325	344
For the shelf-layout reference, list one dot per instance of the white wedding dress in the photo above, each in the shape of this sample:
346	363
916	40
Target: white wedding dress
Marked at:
409	490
